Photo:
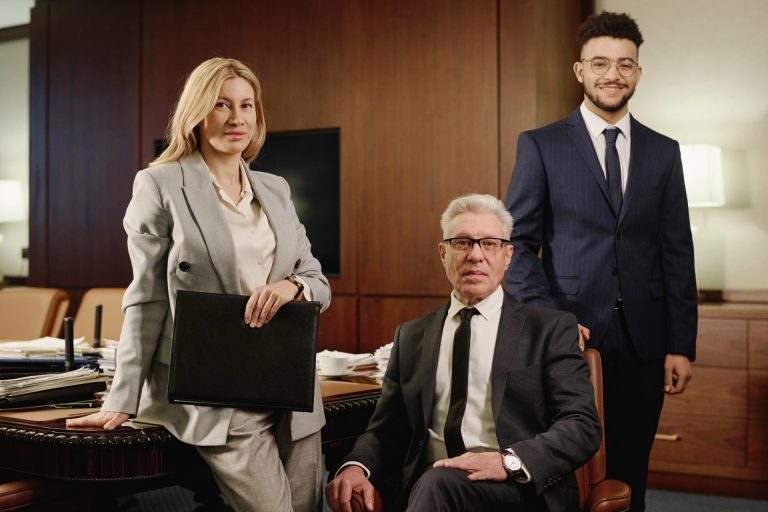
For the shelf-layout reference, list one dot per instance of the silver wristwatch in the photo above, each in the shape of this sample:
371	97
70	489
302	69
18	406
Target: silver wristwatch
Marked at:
512	464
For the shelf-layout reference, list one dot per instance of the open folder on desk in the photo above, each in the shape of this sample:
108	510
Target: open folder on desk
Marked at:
217	360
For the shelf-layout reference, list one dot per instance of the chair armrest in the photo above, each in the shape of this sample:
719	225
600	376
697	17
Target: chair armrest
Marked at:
609	496
36	492
358	505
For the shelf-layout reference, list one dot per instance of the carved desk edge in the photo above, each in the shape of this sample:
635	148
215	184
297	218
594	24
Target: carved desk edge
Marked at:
350	403
126	453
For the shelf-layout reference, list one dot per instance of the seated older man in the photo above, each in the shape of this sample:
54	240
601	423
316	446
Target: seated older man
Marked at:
486	403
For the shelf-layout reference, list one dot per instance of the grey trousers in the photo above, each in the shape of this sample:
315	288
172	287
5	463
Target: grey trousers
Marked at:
261	469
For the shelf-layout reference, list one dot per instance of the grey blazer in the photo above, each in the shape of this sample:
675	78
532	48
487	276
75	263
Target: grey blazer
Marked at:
174	216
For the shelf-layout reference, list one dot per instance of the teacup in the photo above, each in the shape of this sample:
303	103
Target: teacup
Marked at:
333	364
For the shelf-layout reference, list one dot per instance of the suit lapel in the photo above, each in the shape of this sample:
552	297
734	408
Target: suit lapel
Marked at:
433	333
508	336
270	208
579	135
206	211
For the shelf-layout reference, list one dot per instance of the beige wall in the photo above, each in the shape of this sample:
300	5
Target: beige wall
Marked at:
14	145
704	81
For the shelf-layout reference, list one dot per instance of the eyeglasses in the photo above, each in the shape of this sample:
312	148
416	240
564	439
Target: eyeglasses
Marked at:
601	65
487	245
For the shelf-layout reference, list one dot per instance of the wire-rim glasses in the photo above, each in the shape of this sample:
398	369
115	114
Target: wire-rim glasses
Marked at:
601	65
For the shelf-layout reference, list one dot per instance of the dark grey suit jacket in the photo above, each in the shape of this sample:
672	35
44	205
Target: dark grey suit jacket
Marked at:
543	402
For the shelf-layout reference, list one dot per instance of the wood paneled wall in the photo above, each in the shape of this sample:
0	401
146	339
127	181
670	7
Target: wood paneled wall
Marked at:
430	96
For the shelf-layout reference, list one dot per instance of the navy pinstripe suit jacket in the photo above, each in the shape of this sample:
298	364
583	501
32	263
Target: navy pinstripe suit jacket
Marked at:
559	199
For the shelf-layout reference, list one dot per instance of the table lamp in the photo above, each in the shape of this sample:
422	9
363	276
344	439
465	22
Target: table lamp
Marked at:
703	170
11	208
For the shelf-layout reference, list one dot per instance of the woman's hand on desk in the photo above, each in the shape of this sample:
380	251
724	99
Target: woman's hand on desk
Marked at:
106	420
266	300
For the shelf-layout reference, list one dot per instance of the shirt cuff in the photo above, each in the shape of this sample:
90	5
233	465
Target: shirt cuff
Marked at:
353	463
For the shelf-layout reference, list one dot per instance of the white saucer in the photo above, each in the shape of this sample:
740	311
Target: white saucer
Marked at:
334	375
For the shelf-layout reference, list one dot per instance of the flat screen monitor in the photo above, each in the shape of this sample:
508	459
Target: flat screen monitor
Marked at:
309	162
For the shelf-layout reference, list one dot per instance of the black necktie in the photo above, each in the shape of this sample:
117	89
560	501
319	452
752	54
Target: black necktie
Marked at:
454	443
613	168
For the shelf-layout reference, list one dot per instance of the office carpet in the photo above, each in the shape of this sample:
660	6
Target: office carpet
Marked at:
668	501
178	499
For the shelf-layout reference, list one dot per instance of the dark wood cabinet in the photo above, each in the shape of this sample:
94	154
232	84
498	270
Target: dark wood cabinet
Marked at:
714	437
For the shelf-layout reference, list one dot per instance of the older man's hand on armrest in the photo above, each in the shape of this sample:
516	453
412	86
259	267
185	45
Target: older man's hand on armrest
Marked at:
339	491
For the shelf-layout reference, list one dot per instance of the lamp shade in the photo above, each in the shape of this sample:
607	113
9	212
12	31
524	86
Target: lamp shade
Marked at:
703	170
11	201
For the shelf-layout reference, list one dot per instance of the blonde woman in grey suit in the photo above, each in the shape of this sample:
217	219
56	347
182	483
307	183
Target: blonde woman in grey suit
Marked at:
200	220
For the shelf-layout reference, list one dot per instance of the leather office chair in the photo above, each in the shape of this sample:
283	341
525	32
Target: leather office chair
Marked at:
596	494
28	313
40	495
111	300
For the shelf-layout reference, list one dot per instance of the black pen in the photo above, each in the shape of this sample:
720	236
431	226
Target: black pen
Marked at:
76	405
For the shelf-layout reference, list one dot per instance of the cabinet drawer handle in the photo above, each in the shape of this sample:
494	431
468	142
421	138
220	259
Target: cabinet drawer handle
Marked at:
668	437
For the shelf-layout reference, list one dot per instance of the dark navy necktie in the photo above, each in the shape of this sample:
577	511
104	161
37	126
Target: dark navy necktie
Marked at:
613	168
454	443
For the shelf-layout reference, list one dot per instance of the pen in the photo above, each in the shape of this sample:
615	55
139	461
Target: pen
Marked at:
76	405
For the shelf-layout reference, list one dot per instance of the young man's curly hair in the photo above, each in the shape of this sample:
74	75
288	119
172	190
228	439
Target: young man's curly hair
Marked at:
611	24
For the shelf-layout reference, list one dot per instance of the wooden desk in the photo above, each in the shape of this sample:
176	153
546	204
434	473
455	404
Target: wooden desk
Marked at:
128	460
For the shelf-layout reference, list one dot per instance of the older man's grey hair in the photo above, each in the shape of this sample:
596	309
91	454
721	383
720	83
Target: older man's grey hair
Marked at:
476	203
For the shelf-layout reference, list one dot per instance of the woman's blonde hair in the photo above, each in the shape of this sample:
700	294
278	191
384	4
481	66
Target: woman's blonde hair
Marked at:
197	99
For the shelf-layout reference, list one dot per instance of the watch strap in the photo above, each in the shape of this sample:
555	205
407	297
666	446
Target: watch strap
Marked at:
293	278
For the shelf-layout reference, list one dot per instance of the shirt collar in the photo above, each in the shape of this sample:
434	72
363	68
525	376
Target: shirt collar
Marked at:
244	177
596	124
486	307
247	189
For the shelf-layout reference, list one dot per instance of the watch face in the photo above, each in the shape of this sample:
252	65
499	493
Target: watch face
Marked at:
512	462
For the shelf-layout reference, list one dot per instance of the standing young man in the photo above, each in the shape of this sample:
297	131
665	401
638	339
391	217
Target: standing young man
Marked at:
602	197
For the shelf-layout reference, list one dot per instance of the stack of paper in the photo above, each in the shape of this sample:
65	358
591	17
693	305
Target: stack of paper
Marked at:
108	353
382	358
78	384
41	356
43	347
354	359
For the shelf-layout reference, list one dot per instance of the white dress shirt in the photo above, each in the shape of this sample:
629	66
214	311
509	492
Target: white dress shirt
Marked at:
477	427
595	126
253	236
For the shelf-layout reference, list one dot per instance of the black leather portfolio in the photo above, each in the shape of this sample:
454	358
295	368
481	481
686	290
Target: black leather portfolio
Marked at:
217	360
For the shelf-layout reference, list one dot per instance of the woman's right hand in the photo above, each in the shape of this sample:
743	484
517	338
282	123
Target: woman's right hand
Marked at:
104	419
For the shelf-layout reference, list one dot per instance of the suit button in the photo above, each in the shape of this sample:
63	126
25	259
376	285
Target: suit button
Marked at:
614	271
184	266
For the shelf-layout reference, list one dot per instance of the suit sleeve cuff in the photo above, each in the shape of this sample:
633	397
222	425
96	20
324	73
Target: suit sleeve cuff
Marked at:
307	291
354	463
